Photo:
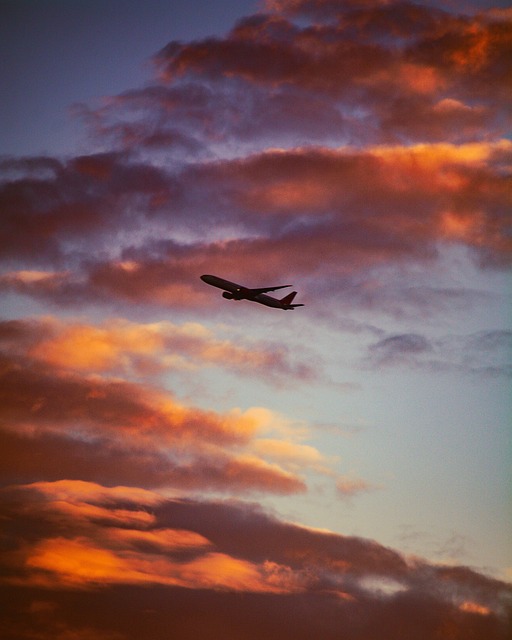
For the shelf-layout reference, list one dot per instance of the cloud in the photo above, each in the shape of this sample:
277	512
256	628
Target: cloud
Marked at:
343	216
87	539
396	60
55	456
106	544
484	352
36	394
76	563
397	348
374	142
292	455
67	414
118	346
52	201
349	486
374	74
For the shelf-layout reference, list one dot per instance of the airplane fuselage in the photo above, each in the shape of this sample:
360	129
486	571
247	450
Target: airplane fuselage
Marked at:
234	291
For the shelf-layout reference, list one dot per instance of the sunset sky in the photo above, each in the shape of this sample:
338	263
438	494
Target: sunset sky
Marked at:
177	465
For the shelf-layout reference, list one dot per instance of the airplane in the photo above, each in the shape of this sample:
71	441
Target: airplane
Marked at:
233	291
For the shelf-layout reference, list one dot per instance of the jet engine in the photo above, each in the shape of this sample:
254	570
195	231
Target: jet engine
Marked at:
227	295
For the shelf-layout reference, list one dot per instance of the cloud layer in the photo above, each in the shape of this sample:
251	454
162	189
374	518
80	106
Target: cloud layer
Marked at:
70	390
210	554
374	142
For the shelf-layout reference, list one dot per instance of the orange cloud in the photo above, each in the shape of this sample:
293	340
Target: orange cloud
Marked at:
474	607
28	280
201	555
88	347
434	156
106	544
118	345
292	455
460	226
218	570
67	491
421	79
163	540
408	78
79	563
348	486
474	49
270	477
143	414
126	517
55	415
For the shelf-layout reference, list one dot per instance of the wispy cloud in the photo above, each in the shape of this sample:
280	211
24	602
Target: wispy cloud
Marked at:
349	486
484	352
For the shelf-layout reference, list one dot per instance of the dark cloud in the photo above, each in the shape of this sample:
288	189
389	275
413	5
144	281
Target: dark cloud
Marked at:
495	341
292	581
394	348
489	352
52	456
73	203
486	352
130	612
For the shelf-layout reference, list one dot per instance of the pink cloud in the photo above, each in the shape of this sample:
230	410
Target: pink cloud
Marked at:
349	486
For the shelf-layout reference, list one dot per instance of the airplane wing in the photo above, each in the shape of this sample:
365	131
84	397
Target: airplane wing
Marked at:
235	288
256	292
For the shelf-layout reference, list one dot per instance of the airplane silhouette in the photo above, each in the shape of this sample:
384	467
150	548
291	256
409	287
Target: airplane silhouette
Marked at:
233	291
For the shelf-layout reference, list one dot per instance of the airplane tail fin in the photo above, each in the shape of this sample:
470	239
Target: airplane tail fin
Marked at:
287	301
289	297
